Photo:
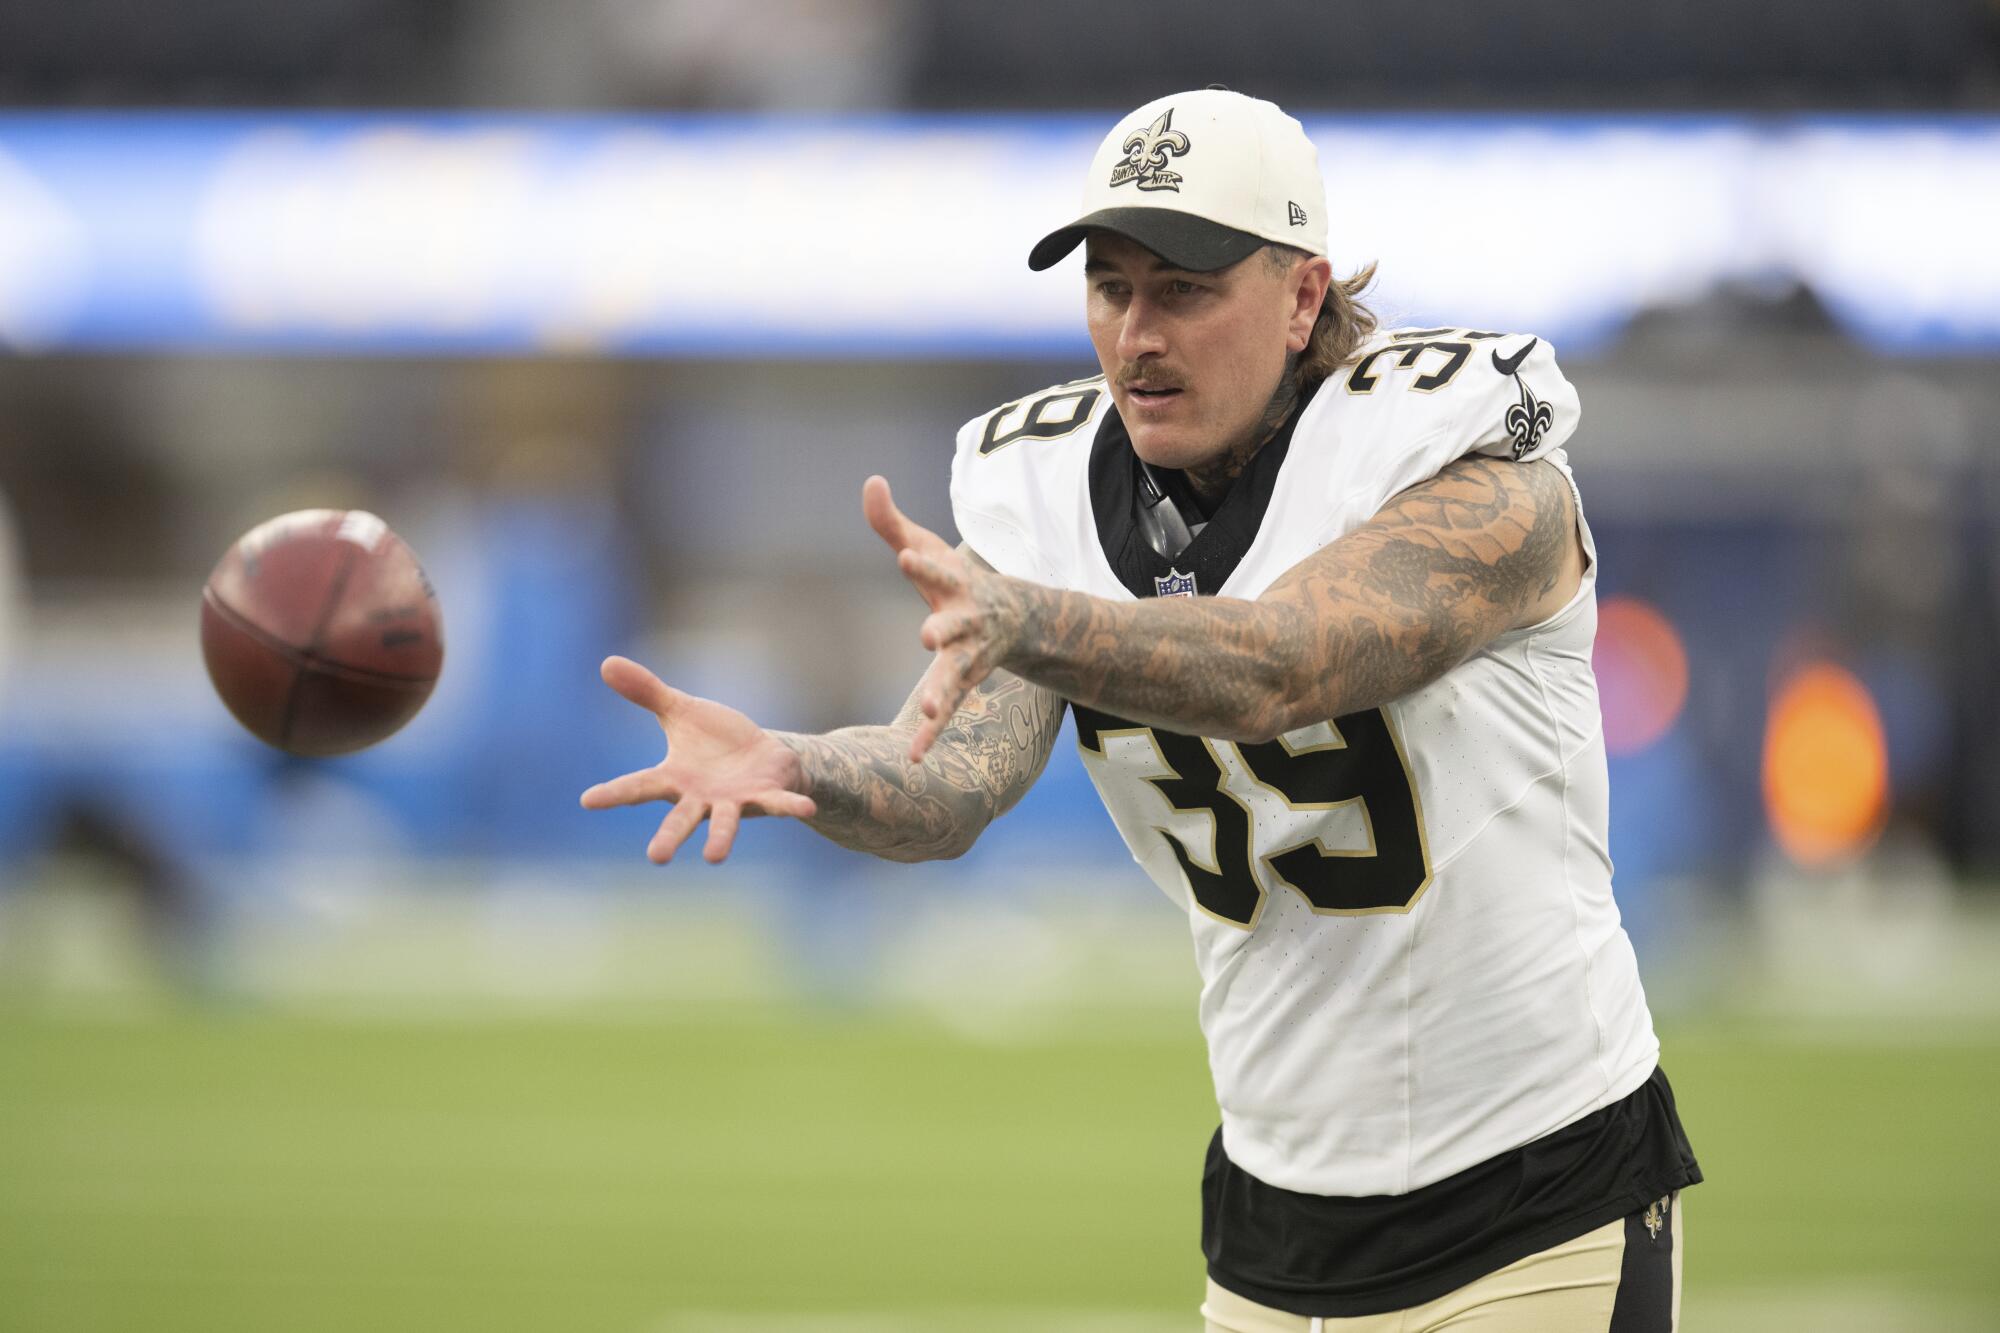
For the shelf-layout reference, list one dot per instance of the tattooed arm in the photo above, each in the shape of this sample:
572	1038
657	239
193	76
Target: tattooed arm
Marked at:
1442	570
873	798
858	786
1446	566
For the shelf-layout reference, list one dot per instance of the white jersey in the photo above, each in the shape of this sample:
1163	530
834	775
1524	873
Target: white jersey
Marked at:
1410	957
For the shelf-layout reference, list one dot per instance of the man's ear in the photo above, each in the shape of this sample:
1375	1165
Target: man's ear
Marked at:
1310	280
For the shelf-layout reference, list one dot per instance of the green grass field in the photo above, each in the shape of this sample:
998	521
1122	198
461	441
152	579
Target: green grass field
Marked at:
780	1171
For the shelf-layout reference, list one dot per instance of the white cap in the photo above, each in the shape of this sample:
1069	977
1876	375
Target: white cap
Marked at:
1201	179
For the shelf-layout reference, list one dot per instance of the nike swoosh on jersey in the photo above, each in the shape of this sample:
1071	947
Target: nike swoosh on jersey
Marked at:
1508	365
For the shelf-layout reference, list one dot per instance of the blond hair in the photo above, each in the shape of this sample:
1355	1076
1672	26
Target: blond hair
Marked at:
1344	323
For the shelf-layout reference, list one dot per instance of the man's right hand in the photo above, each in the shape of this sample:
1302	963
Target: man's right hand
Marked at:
720	766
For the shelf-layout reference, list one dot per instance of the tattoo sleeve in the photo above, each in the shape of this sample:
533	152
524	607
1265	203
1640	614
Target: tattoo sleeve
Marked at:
873	799
1434	577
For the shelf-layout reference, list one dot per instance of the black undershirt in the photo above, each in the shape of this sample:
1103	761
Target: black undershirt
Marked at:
1341	1257
1337	1256
1232	521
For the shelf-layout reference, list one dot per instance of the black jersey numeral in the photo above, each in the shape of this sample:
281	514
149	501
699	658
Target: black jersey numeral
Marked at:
1364	377
1360	765
1049	417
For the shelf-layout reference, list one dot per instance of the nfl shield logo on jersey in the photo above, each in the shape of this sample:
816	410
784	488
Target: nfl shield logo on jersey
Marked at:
1174	584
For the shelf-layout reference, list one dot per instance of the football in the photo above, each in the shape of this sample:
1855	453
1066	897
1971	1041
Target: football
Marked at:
321	631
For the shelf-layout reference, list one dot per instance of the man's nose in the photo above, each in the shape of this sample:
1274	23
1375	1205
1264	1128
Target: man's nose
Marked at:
1141	333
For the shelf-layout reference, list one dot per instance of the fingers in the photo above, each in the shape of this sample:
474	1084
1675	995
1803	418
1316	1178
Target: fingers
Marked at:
951	676
789	804
935	579
641	686
892	525
648	784
927	734
674	830
883	516
724	816
925	559
944	628
722	822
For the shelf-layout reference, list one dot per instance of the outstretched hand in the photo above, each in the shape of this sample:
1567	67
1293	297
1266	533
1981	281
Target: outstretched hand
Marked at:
964	628
720	766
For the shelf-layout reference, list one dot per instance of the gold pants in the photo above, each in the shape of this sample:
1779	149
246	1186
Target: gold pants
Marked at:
1569	1288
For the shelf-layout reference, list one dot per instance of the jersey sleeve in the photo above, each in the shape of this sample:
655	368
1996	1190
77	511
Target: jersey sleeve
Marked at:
1016	476
987	510
1416	401
1514	401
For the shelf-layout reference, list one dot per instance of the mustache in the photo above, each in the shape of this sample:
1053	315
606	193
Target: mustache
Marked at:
1158	377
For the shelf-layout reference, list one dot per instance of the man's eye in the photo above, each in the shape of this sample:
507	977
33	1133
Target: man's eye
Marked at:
1180	287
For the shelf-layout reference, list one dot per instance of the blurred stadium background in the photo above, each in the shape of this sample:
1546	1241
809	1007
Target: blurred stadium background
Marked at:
609	307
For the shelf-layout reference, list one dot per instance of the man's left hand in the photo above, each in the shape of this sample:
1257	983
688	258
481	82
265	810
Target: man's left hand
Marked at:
965	628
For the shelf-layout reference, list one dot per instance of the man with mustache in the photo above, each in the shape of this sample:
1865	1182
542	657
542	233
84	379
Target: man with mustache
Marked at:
1321	598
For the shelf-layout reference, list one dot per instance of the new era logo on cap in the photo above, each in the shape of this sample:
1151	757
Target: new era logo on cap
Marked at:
1216	176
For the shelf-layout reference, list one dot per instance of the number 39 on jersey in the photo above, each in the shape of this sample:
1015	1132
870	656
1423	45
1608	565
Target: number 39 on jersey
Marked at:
1329	812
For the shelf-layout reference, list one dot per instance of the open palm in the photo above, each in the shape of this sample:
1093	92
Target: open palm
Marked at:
720	766
964	635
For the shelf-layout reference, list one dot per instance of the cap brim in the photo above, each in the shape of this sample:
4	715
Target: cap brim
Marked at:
1182	239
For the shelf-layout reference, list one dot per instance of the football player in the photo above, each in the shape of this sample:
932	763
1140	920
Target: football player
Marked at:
1321	599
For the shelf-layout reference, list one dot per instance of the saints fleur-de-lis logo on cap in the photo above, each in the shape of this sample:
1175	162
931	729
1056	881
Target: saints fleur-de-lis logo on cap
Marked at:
1147	152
